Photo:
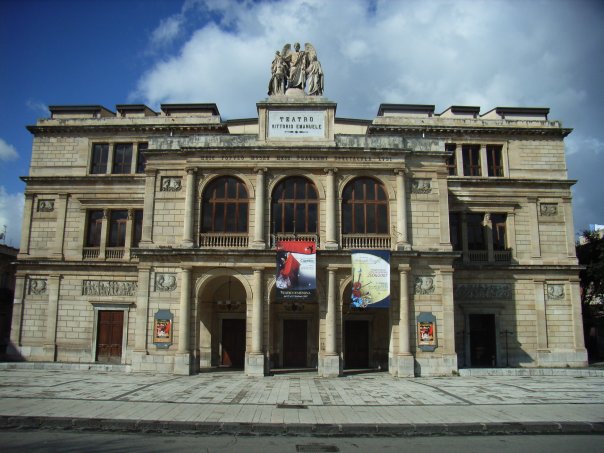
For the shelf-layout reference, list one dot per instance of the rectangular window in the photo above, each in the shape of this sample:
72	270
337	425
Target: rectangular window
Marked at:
451	160
499	231
137	232
122	158
476	236
141	160
98	163
455	230
494	160
93	228
117	228
471	160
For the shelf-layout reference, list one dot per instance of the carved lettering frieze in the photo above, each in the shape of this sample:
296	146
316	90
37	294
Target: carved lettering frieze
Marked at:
165	282
46	205
171	184
37	287
108	288
554	291
484	291
548	209
421	186
424	285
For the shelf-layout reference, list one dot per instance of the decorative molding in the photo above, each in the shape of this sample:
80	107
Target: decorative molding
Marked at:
108	288
486	291
548	209
37	286
421	186
424	285
171	184
165	282
46	205
554	291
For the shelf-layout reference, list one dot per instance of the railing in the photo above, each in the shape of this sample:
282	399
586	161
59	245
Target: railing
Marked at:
223	240
114	253
478	256
91	253
294	237
503	256
366	241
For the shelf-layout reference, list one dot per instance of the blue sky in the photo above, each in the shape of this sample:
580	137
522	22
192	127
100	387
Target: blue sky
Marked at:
486	53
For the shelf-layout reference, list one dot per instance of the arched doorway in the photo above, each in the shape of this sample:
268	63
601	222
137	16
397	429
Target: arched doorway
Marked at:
223	323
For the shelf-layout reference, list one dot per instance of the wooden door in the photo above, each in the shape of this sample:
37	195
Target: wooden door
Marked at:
109	338
233	343
356	351
482	340
294	343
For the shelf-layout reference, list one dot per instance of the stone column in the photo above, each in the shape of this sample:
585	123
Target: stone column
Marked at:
448	312
331	359
20	290
443	195
402	240
187	237
405	358
540	312
534	225
488	223
259	240
464	237
150	183
110	153
104	231
142	315
255	359
50	342
331	210
128	242
61	210
484	167
570	229
26	226
182	361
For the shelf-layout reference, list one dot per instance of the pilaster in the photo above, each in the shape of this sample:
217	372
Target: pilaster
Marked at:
259	209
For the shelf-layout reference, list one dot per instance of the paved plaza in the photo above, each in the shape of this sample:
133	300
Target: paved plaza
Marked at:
300	402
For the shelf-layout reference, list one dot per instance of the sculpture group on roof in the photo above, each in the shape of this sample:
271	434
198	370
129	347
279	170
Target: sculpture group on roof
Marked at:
296	69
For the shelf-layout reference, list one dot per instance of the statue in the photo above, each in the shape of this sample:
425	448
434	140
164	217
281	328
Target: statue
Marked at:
295	69
277	82
314	77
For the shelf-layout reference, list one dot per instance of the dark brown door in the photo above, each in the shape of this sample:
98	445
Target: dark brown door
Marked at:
233	342
356	352
482	341
109	339
294	343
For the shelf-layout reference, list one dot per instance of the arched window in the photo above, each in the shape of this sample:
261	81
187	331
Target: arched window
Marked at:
364	207
225	206
295	207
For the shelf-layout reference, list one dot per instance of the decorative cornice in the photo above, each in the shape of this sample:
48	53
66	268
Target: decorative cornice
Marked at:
387	129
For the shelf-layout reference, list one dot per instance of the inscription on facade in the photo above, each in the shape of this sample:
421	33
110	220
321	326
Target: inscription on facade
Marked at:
165	282
108	288
296	124
470	291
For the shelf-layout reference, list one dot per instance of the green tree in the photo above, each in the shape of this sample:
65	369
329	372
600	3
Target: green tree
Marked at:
591	255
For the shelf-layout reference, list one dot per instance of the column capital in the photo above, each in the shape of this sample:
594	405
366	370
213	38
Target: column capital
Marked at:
191	170
186	268
400	171
332	268
404	268
330	171
151	172
260	170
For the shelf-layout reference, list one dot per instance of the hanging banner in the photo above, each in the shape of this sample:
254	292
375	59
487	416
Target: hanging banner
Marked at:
370	278
296	278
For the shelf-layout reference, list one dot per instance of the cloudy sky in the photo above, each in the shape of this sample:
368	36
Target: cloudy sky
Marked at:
539	53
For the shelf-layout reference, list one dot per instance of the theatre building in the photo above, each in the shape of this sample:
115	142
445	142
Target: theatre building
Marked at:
415	242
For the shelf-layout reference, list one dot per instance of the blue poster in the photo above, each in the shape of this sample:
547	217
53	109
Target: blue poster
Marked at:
370	278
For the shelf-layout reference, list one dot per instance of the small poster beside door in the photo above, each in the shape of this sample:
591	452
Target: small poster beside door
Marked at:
426	331
162	329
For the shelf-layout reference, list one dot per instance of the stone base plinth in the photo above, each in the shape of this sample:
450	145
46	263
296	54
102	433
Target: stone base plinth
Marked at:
329	366
405	366
442	365
182	364
50	352
258	245
255	365
551	358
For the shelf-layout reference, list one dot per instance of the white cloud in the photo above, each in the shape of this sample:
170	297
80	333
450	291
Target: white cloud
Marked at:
11	215
38	107
7	152
167	31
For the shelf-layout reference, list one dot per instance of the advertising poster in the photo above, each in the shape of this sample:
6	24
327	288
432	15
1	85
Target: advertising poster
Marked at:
296	277
370	278
162	328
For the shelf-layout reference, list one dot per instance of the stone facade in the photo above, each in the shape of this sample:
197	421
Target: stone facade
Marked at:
149	238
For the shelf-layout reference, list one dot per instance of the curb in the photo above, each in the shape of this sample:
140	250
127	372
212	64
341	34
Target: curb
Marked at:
298	429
